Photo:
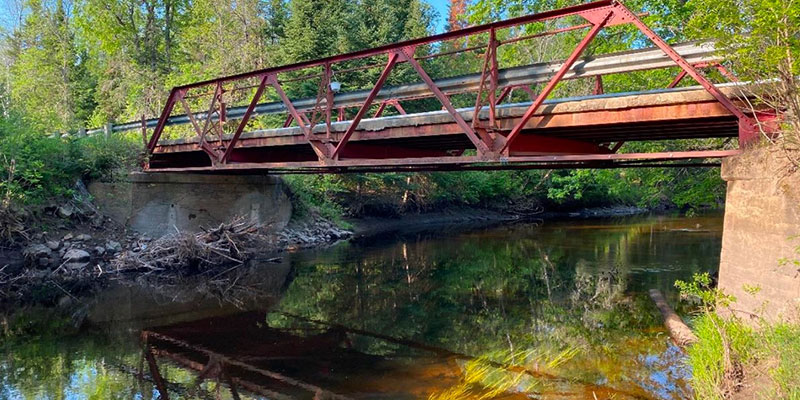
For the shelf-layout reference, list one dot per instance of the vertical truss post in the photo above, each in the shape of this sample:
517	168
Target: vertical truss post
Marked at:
489	72
393	57
747	132
328	101
598	85
478	142
494	71
212	153
555	79
245	119
201	133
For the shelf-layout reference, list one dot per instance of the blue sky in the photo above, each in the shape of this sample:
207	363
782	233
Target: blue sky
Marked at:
441	7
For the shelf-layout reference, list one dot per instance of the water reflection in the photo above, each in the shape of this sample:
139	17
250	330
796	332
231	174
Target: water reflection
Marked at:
553	311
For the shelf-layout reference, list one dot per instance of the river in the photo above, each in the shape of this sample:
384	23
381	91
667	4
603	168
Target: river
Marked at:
550	310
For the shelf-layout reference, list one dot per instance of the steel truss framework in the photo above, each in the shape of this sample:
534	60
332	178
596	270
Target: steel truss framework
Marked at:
491	140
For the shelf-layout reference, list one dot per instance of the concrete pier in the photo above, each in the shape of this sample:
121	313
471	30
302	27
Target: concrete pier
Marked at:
760	260
163	203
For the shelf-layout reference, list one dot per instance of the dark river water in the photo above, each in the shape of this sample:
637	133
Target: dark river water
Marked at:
554	310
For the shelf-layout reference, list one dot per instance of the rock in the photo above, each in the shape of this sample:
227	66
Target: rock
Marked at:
100	250
97	221
65	302
76	258
83	237
113	246
44	262
36	251
65	211
67	237
53	244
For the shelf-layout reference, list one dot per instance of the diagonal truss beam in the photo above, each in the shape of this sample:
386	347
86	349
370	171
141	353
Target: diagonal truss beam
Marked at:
240	128
747	133
479	143
319	148
555	79
393	57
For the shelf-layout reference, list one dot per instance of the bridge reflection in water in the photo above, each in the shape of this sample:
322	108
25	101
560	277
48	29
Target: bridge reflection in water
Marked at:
562	313
554	311
244	353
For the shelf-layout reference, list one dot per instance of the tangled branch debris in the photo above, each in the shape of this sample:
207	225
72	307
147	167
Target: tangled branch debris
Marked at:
228	244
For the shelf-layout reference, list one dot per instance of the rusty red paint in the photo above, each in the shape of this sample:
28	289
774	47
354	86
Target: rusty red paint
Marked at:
493	140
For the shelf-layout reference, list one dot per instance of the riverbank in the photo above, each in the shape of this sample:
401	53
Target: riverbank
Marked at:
73	248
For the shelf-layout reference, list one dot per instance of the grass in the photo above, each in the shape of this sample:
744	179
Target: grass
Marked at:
765	360
736	359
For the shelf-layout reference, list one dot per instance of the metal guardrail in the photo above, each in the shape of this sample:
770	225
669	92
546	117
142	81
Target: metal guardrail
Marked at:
629	61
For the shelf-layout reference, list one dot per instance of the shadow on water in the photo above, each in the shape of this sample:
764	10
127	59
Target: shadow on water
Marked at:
556	310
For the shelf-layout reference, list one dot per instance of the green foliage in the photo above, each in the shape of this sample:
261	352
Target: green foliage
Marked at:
761	40
313	194
772	349
700	289
50	86
46	167
730	350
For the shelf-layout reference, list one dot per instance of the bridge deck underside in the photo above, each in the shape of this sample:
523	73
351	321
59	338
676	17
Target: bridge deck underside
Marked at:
564	133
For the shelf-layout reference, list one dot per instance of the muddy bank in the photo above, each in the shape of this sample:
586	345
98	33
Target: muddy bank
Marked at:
464	216
597	212
371	226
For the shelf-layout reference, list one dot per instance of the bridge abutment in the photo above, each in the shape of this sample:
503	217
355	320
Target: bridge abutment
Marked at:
760	259
159	204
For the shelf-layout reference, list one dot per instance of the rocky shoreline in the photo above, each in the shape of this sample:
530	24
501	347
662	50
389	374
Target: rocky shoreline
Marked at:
76	247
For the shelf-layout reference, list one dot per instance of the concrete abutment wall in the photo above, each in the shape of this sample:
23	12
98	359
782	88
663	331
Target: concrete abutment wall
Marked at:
157	204
760	259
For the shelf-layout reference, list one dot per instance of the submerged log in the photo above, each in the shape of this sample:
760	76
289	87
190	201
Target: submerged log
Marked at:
677	329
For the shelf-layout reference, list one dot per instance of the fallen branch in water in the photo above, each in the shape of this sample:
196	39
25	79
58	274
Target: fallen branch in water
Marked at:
677	329
228	244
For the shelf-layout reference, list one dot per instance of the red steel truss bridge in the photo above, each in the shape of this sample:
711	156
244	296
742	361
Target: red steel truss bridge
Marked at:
248	122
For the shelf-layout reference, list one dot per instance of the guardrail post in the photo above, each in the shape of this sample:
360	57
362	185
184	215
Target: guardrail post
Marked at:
82	132
107	129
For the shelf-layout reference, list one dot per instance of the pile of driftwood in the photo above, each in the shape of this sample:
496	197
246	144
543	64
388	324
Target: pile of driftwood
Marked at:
227	244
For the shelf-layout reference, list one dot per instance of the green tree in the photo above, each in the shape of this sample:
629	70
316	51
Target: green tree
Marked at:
133	45
761	39
49	83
